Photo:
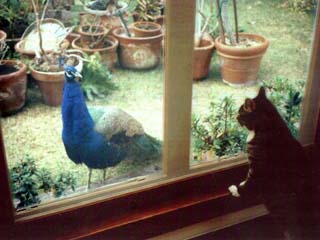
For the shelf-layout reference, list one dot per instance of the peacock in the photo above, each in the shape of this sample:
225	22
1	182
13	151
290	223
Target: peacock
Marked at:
101	137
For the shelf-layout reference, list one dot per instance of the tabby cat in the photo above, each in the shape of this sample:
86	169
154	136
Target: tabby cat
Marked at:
277	162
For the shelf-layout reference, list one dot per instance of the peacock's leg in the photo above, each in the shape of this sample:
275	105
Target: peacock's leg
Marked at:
89	178
104	175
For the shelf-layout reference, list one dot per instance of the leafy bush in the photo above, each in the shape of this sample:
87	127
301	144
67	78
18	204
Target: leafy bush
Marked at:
27	182
96	78
287	97
63	182
303	5
24	185
218	131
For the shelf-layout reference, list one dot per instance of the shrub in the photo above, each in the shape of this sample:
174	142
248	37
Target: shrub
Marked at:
303	5
219	131
287	97
24	185
27	182
96	78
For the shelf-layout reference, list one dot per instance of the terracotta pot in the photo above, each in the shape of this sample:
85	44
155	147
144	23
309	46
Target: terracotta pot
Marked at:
202	58
29	54
3	36
13	87
50	84
109	54
94	38
240	66
138	52
146	29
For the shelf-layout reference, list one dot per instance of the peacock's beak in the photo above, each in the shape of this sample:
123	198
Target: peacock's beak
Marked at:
78	76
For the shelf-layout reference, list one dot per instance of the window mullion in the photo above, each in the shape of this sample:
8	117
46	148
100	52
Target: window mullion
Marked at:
178	85
311	105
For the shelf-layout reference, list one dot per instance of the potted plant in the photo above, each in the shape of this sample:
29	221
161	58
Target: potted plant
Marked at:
14	19
204	42
47	67
92	36
107	51
13	83
240	53
106	13
138	52
149	11
146	29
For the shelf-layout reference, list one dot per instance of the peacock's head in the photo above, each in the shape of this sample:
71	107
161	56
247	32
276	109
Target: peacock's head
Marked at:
71	74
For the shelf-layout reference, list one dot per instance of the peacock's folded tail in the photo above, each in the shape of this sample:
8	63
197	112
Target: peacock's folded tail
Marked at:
142	148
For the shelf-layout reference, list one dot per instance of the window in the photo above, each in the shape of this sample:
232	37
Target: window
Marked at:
108	209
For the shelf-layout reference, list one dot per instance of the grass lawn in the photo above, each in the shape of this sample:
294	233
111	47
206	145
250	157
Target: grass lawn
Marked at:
36	130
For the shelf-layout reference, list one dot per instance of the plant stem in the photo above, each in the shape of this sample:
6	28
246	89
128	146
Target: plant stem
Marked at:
39	30
236	19
221	29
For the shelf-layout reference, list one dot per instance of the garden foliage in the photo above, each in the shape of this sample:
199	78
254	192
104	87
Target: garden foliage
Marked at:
28	182
219	130
96	78
303	5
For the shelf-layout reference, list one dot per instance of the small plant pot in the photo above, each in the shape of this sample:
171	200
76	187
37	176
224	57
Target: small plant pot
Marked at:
108	54
202	59
146	29
50	84
92	36
240	65
13	86
3	36
30	54
138	52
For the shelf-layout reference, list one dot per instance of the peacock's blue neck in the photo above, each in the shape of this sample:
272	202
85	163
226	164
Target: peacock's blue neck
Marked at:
77	122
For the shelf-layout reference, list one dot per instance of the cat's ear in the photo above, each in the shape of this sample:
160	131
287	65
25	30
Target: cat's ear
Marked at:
249	105
262	92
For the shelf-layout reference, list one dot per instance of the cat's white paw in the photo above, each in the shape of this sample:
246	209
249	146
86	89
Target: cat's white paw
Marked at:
234	191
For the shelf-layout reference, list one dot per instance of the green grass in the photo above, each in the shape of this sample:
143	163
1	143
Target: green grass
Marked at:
37	129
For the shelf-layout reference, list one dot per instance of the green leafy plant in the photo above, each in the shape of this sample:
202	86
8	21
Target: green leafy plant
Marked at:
24	184
28	182
303	5
15	16
96	78
148	10
63	182
287	97
219	130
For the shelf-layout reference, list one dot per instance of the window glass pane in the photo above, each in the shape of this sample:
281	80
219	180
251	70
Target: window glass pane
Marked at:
235	74
56	150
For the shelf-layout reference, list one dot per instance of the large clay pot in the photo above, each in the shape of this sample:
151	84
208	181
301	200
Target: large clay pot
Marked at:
202	58
50	84
146	29
138	52
108	55
30	54
240	65
13	86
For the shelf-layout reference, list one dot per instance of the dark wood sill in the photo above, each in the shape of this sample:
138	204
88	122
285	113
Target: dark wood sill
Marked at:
147	213
143	214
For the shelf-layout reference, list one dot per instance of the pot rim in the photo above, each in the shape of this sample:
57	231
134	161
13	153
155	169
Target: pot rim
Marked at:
156	25
118	34
104	32
209	46
252	50
21	50
45	73
22	68
114	43
3	35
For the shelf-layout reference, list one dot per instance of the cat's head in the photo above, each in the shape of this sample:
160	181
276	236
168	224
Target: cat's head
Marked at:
255	113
